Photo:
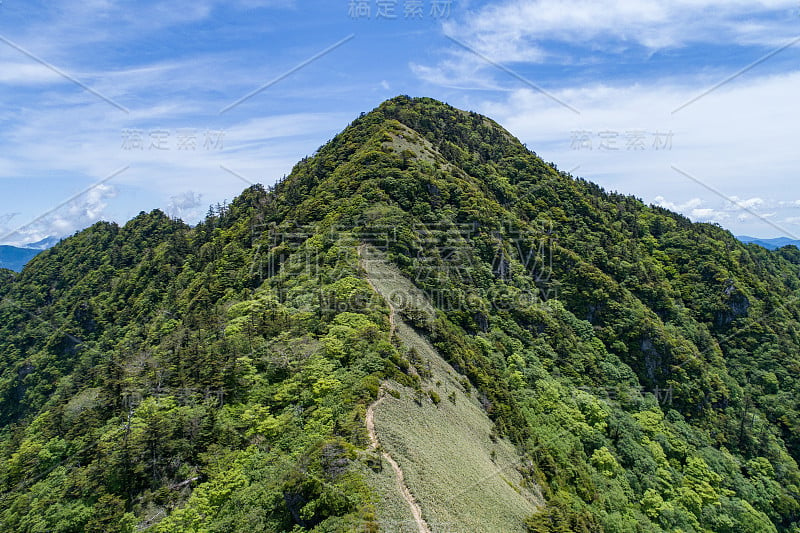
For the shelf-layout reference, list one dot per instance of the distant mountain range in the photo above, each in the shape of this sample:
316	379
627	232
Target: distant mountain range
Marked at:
15	257
769	244
44	244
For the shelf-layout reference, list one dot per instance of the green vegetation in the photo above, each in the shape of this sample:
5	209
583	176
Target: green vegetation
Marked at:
166	378
465	479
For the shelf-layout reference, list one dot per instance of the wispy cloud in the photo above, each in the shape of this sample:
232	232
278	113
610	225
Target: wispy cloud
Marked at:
523	30
18	73
739	141
610	33
185	205
155	60
76	214
175	65
692	208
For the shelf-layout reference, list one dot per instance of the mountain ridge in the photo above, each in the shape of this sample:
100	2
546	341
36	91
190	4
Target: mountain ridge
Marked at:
163	377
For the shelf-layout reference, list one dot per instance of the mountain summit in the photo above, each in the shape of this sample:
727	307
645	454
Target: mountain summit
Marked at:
424	327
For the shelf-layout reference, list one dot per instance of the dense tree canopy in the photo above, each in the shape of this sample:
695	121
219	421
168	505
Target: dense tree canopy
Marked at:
215	378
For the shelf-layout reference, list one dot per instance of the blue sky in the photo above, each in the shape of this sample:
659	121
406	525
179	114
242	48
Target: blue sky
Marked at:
112	107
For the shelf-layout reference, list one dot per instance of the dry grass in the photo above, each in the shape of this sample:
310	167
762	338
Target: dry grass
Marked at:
407	139
462	480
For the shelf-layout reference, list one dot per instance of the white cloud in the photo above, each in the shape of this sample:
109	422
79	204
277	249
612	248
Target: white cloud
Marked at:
516	30
738	140
83	142
533	32
185	206
692	209
750	203
70	217
56	29
691	204
16	73
706	214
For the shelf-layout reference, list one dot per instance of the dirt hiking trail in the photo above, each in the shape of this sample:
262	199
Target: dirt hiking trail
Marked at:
370	421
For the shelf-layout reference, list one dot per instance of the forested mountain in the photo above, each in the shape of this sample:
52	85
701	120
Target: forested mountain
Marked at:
162	377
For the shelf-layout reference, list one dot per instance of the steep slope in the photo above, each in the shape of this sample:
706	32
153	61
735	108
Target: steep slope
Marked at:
640	370
466	478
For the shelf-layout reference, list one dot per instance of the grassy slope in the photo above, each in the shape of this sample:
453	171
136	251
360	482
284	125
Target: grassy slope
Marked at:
462	479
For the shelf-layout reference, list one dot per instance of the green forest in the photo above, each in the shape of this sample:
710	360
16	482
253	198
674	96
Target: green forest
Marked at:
215	378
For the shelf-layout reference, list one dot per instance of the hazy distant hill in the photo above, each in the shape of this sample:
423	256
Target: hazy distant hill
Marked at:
770	244
44	244
14	258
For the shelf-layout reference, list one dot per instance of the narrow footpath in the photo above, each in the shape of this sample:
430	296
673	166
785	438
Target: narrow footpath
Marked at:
422	526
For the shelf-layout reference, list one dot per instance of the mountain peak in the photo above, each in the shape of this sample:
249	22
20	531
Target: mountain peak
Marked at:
427	145
430	116
422	293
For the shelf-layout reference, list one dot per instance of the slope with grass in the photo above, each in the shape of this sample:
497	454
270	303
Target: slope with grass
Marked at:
640	370
465	477
401	485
